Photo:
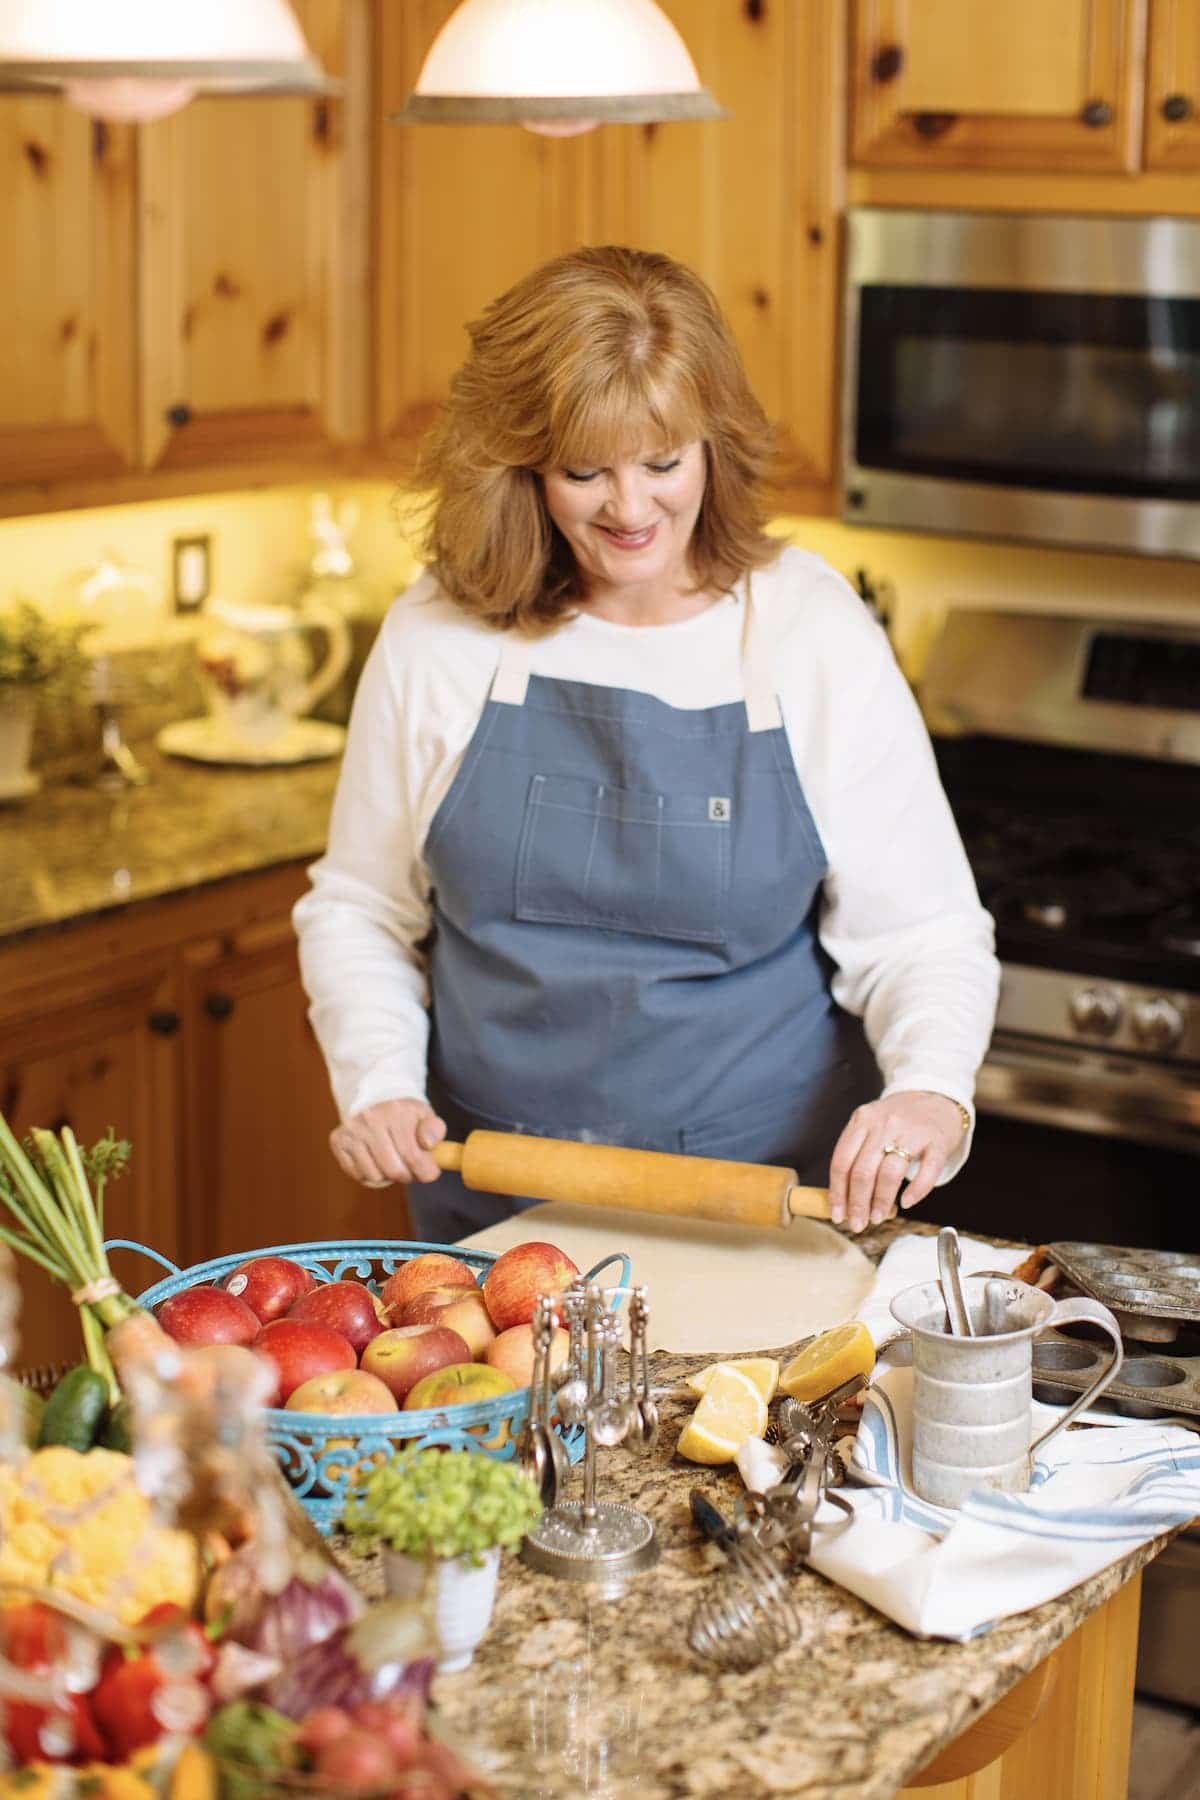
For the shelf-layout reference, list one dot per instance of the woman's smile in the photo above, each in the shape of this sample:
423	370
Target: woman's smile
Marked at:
629	527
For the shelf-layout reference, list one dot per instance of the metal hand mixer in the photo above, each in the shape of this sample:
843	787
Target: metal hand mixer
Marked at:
748	1613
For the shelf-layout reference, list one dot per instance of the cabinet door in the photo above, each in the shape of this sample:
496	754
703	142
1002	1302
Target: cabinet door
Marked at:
1173	86
67	406
91	1059
463	211
258	1167
1035	84
749	202
253	257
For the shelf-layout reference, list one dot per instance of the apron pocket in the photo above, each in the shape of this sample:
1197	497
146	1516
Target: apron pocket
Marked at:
624	859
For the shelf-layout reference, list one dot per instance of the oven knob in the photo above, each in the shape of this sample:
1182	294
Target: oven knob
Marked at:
1157	1024
1095	1009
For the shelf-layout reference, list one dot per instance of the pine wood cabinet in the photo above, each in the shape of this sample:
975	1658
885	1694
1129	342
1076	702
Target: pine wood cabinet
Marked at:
1173	87
188	294
252	265
182	1025
1053	85
66	317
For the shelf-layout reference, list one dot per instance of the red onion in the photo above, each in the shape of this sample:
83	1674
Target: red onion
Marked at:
388	1651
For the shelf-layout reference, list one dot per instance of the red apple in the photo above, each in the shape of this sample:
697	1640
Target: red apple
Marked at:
407	1353
347	1306
433	1269
462	1309
208	1315
458	1385
514	1281
300	1349
512	1351
269	1285
342	1391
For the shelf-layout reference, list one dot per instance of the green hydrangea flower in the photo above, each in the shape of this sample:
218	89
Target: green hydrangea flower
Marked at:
441	1503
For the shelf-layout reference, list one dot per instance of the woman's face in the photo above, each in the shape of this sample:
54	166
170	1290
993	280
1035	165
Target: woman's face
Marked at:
630	525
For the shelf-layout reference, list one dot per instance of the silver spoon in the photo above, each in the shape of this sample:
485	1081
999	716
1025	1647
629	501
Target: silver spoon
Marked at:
952	1294
612	1417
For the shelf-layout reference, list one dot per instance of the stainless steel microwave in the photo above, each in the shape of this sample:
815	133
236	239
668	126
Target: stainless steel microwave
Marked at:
1026	376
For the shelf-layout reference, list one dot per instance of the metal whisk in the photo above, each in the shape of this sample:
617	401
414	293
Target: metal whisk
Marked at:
748	1612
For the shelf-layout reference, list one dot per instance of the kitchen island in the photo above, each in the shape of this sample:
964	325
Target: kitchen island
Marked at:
614	1702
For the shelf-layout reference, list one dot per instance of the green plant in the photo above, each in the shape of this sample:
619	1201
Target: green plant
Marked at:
442	1503
39	652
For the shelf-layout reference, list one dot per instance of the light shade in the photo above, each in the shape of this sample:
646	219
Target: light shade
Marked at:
142	58
557	63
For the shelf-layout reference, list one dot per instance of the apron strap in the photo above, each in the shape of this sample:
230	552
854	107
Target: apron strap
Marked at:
512	671
762	703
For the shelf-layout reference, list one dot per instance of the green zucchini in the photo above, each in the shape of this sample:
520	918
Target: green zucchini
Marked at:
116	1433
75	1410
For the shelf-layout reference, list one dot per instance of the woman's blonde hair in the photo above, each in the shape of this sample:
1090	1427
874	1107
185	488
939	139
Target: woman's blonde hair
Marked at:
590	358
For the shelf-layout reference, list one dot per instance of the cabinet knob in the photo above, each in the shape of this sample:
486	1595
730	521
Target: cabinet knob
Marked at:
886	64
1096	114
218	1006
934	124
179	415
1176	108
164	1020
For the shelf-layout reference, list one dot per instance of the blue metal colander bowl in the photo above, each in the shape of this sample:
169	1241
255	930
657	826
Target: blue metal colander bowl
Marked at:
320	1453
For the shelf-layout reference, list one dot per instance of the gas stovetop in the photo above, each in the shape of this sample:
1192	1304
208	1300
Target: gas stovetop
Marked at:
1088	863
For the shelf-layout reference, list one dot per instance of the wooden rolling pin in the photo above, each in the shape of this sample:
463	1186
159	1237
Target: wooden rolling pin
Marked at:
686	1187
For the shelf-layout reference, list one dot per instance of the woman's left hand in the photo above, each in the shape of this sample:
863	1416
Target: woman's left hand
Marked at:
871	1158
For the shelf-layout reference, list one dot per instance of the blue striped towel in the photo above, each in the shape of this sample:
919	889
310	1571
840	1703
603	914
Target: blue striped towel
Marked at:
1097	1493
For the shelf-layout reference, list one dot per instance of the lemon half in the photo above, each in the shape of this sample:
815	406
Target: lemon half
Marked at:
834	1356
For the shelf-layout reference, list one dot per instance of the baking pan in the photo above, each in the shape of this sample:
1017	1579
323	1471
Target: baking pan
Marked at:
1153	1380
1152	1292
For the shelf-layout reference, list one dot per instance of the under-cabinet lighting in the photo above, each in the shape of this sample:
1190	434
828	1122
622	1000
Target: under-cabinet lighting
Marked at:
557	66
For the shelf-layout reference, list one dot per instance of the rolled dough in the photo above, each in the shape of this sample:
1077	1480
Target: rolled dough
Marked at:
719	1288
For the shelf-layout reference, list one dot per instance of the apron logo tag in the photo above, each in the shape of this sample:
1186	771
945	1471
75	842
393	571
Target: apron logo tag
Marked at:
719	807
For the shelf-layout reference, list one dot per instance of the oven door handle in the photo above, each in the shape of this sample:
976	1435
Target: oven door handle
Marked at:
1059	1086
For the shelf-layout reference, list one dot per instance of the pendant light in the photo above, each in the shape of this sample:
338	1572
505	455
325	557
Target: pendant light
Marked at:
557	66
135	60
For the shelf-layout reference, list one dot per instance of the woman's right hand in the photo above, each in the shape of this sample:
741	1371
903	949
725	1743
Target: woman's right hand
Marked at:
389	1142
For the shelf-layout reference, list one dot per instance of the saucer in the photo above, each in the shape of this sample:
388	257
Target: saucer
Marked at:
19	787
206	740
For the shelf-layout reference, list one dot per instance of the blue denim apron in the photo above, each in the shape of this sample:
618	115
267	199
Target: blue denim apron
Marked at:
624	945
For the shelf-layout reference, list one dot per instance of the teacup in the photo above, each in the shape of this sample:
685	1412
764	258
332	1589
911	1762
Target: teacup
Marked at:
973	1396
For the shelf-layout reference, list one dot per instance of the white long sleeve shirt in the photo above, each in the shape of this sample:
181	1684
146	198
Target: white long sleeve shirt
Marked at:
900	916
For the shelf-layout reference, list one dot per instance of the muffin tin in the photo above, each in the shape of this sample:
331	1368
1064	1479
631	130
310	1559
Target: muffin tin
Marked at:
1152	1380
1152	1292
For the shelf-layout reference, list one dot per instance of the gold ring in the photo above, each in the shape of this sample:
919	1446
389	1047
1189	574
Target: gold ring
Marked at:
898	1150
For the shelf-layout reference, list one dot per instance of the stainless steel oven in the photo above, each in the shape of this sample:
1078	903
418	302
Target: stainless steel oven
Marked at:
1024	376
1070	750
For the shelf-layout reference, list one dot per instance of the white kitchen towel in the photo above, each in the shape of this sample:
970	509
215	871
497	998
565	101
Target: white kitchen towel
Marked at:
913	1259
1097	1493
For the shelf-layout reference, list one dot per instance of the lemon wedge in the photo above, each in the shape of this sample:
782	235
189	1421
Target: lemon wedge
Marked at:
730	1411
833	1357
763	1371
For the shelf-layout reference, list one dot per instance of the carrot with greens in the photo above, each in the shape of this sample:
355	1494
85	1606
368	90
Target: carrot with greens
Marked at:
46	1187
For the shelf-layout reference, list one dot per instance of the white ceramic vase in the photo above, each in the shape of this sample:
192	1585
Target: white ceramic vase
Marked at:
17	708
463	1596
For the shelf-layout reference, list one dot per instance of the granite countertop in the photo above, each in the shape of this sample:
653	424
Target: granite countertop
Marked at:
70	852
603	1697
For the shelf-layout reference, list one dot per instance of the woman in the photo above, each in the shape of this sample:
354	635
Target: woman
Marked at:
639	837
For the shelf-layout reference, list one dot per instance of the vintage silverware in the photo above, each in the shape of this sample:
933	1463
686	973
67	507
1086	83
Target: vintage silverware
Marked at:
949	1260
